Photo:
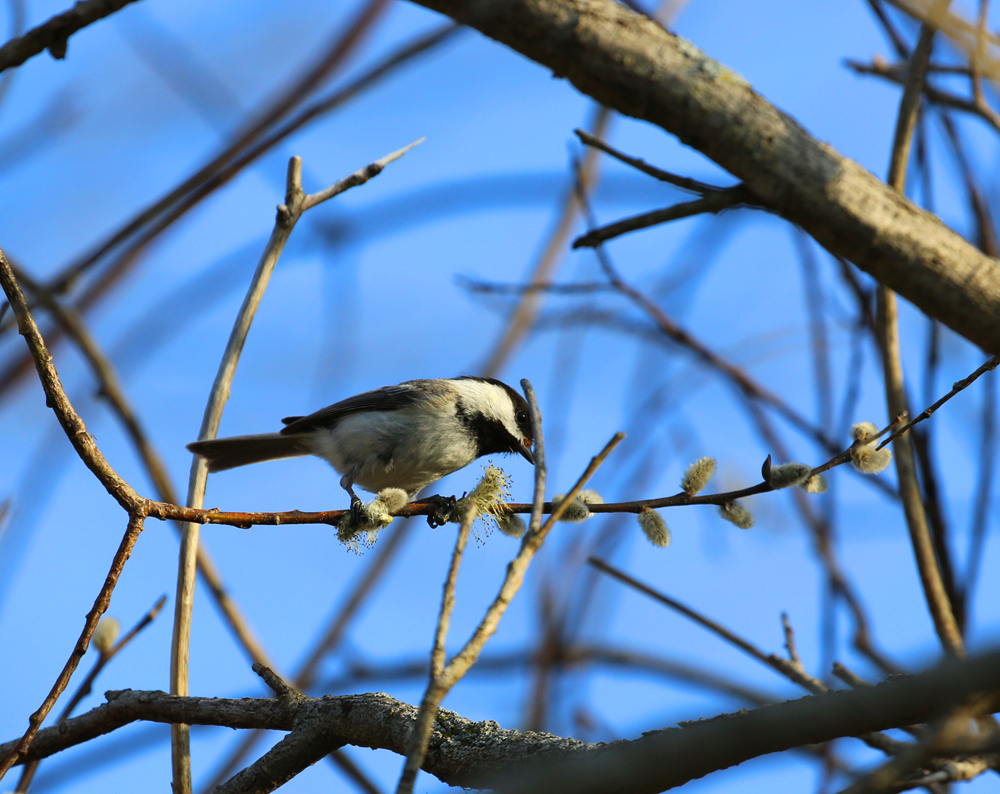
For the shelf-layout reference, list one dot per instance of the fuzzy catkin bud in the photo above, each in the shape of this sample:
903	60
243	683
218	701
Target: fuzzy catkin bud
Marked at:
654	528
864	453
869	460
697	475
736	513
105	634
394	499
487	500
816	484
513	526
590	497
373	517
789	474
488	495
862	431
375	514
575	512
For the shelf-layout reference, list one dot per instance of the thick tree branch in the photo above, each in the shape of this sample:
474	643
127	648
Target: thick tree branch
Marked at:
481	754
630	63
664	759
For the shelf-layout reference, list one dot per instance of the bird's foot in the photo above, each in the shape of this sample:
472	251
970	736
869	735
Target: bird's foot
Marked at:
358	515
444	510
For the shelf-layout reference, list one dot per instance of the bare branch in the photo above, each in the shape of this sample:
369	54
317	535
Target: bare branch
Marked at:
957	386
54	34
296	203
713	203
682	182
887	323
18	750
436	687
526	312
976	106
482	755
87	449
633	65
56	398
103	659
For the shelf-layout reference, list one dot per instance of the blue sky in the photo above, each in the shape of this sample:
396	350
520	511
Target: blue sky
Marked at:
366	294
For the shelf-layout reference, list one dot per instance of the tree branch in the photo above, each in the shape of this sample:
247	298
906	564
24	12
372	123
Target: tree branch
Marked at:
483	755
288	214
54	34
630	63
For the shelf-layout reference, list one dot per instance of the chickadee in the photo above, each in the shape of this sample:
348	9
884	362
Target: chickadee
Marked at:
404	436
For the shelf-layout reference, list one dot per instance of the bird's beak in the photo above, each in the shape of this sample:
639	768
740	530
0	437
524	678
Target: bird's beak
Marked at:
526	453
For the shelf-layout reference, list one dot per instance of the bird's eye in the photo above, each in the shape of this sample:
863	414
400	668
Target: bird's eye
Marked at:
521	416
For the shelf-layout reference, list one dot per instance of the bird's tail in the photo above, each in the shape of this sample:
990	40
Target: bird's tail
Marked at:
228	453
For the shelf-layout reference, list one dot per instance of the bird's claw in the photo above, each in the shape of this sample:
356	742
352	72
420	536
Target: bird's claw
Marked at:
358	516
444	510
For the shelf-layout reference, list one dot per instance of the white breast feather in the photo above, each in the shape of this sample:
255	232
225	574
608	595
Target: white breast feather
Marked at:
396	449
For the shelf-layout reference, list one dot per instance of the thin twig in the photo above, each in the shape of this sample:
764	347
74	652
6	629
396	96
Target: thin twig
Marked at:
448	597
526	312
793	653
541	471
86	448
296	202
717	628
909	489
93	617
436	688
959	385
848	676
712	203
984	496
792	670
56	398
103	659
936	95
349	767
682	182
493	288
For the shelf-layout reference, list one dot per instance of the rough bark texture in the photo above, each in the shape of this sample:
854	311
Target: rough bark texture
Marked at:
484	755
628	62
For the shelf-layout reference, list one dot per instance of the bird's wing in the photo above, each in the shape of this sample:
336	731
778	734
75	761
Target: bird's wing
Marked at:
388	398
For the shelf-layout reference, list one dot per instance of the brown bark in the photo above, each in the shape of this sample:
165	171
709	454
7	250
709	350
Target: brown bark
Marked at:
630	63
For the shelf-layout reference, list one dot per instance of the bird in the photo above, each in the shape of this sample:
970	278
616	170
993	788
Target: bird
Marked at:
405	436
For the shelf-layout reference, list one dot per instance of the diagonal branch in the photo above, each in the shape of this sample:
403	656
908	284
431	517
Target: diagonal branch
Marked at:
54	34
712	202
56	399
296	203
630	63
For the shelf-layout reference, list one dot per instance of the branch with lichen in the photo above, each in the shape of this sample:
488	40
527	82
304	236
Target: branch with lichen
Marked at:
483	755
